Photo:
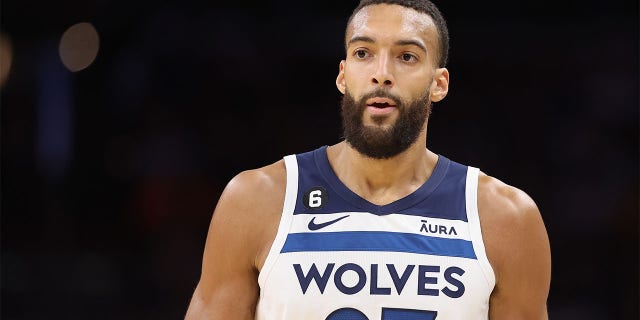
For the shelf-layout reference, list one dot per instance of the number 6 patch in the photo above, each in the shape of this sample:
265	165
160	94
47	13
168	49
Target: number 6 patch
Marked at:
315	198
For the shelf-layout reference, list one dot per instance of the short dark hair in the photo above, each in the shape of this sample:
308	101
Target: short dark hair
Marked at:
424	6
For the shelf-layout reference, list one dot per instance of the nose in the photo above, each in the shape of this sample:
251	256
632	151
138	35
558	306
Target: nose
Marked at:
383	75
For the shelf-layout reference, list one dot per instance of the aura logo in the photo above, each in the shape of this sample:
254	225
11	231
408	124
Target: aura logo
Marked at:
437	228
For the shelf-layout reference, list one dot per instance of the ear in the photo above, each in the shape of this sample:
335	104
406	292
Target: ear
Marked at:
440	85
340	82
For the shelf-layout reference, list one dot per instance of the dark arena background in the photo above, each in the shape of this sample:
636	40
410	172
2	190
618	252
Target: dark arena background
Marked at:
122	121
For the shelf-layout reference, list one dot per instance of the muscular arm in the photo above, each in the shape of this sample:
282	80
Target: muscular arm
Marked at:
518	249
239	237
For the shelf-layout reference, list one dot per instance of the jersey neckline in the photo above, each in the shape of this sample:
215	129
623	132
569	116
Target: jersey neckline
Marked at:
424	191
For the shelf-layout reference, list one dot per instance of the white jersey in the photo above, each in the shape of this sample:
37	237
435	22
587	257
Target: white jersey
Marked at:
337	256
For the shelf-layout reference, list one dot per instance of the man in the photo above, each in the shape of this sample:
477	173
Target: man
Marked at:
377	226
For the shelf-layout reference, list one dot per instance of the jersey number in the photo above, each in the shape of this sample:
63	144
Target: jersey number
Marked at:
387	314
315	199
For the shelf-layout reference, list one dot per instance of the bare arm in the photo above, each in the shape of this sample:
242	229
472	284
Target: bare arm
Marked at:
518	248
237	242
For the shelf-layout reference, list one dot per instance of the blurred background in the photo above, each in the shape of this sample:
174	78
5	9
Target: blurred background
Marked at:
122	121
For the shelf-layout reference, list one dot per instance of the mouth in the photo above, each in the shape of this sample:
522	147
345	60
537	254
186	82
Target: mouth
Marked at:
380	106
380	103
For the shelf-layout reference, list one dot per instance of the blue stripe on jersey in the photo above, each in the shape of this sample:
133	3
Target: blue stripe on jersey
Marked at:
378	241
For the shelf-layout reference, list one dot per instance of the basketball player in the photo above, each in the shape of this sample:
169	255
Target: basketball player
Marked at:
377	226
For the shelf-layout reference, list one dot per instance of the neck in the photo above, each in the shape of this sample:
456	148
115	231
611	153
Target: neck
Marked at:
383	181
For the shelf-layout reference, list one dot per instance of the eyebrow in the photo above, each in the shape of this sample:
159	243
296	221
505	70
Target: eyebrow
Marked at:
399	42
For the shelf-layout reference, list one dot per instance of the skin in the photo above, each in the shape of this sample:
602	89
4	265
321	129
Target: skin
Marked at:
392	47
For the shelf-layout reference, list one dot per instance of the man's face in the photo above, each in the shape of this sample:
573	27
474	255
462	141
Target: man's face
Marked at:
386	78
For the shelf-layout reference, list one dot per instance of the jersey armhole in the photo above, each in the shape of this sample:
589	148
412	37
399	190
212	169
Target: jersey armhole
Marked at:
291	192
471	198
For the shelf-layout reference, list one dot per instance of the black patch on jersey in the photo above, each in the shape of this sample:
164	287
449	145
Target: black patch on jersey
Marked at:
315	198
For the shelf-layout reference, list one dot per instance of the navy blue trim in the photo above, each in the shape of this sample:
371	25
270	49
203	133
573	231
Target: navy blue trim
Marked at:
441	196
438	174
378	241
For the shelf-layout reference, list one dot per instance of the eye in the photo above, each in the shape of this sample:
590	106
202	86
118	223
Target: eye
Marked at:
407	57
361	53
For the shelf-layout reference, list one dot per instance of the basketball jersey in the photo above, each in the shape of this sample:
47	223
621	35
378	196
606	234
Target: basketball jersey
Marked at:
337	256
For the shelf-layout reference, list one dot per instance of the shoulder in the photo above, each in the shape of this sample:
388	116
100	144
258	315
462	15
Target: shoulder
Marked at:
252	201
517	246
256	184
253	195
512	226
510	220
243	224
504	202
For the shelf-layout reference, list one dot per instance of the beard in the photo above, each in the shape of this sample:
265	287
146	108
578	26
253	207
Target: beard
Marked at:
383	142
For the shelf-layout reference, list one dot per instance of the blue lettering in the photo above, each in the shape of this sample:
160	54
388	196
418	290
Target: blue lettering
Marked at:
427	275
443	229
424	228
453	230
313	274
400	282
434	230
448	276
423	279
374	282
407	314
347	314
362	278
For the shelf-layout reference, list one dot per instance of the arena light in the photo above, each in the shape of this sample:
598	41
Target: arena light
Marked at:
6	58
79	46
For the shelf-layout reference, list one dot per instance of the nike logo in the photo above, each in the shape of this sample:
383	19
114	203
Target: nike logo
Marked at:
316	226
